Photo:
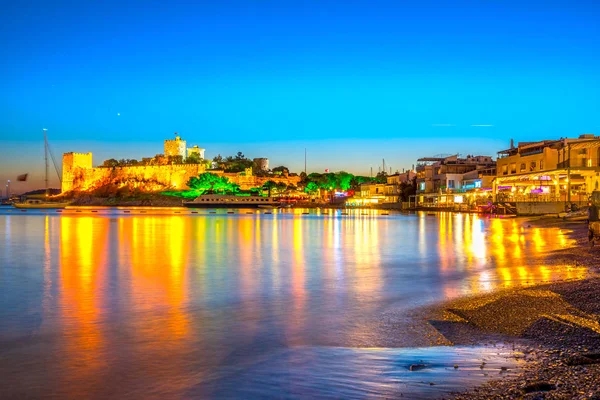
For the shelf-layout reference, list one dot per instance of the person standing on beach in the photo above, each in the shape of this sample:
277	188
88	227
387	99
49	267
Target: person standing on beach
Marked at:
592	213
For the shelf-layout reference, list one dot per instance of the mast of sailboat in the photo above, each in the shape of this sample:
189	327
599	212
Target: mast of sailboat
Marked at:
305	161
46	160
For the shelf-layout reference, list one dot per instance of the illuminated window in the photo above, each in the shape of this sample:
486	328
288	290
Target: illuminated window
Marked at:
532	166
505	170
541	164
522	169
513	168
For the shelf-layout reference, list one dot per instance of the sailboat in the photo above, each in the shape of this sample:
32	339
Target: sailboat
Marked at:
36	203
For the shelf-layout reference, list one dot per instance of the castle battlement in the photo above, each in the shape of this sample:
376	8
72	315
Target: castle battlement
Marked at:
74	153
80	175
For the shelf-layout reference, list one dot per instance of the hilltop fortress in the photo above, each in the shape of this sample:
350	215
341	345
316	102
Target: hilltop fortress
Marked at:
157	174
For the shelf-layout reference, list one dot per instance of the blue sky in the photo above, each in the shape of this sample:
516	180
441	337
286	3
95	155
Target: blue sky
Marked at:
352	81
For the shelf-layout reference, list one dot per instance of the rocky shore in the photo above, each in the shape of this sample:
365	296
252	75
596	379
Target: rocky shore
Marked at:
556	326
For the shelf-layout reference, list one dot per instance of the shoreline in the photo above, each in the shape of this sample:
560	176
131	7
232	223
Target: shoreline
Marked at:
556	324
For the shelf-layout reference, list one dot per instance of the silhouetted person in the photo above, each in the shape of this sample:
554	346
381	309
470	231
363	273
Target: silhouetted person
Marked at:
592	213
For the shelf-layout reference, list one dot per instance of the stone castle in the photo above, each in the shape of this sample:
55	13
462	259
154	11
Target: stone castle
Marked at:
79	175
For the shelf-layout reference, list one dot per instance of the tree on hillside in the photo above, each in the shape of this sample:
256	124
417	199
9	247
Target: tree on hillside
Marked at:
344	180
281	187
203	182
311	188
110	163
269	185
194	158
208	182
178	159
282	169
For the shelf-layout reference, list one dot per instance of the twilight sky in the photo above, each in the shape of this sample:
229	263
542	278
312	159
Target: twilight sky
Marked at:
352	81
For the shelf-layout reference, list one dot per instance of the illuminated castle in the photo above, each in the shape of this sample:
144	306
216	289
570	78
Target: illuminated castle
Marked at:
178	147
155	174
74	165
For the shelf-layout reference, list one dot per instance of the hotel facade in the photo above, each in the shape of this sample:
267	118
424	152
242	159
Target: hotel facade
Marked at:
564	170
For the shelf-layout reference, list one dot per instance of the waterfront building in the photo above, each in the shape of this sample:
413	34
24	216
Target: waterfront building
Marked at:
371	193
393	188
563	170
444	181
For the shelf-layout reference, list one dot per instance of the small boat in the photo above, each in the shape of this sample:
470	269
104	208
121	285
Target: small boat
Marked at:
231	201
268	206
40	204
579	215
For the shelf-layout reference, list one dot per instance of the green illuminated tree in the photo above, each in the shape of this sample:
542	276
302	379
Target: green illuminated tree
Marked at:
311	187
269	186
208	182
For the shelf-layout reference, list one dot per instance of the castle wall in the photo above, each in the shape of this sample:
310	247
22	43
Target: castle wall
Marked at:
73	165
78	175
148	178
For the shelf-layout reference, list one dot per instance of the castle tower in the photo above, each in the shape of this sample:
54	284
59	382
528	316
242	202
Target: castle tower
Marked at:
175	147
73	167
196	150
261	164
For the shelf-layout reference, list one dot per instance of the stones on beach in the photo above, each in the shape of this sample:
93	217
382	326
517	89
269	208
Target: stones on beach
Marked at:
539	387
583	359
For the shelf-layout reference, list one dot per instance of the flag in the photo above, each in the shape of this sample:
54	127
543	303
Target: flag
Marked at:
22	178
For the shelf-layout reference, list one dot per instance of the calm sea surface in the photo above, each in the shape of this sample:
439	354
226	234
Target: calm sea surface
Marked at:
171	304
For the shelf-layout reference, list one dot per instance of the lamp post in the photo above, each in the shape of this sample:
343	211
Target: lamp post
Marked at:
8	189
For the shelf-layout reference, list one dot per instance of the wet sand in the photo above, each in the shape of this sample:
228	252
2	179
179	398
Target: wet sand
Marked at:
556	326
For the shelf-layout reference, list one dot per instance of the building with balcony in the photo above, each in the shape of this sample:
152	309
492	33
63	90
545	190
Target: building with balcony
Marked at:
446	180
563	170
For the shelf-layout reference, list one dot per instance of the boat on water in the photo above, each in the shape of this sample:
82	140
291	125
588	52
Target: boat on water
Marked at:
46	202
231	201
40	204
579	215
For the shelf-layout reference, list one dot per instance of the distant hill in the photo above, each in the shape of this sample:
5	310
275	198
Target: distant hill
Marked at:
42	191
